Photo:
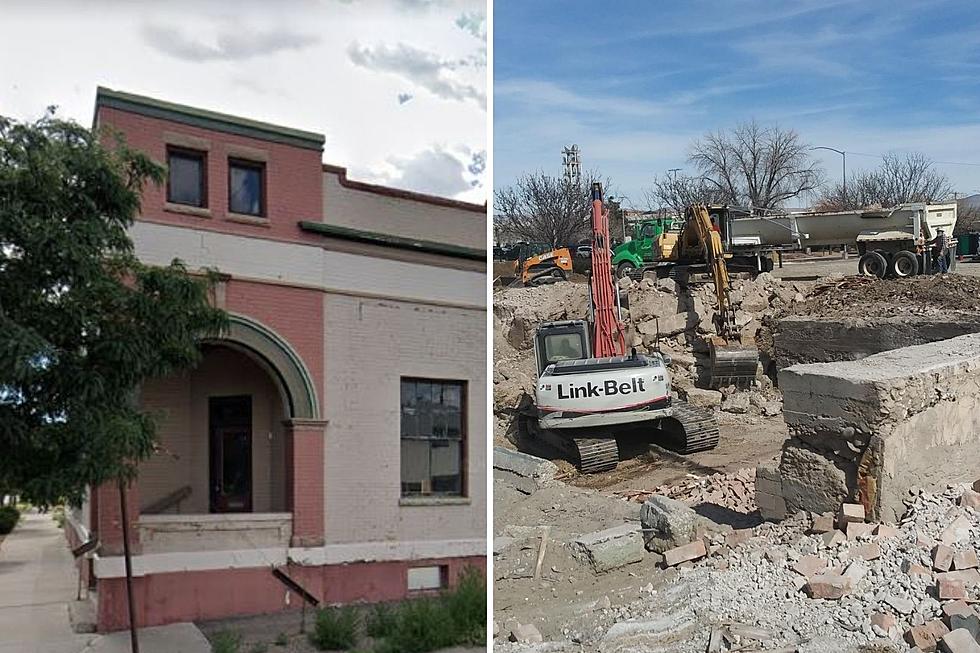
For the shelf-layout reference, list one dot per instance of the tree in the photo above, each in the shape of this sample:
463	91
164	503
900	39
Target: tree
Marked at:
899	179
539	208
82	321
761	166
675	193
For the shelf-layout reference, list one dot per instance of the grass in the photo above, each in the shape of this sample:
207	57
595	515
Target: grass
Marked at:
282	639
226	642
8	519
381	621
335	629
456	618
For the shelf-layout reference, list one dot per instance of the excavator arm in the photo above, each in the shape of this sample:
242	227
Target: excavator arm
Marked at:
732	362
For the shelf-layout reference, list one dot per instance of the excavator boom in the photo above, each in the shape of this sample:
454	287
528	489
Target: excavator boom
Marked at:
732	362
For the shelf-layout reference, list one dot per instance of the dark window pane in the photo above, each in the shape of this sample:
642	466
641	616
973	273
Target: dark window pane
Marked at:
432	437
245	189
186	177
444	464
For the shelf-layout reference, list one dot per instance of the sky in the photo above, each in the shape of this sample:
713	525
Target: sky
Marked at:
397	87
634	84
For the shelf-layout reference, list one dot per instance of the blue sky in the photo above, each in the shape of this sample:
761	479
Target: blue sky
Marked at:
634	83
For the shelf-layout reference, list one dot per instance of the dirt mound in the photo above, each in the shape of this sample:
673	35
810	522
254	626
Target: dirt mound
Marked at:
841	297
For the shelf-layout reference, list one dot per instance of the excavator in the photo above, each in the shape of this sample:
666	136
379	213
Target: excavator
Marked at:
590	389
732	362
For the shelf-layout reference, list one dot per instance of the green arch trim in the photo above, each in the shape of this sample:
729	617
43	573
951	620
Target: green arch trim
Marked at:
279	358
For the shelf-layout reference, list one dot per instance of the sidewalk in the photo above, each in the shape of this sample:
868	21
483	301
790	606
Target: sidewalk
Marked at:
37	583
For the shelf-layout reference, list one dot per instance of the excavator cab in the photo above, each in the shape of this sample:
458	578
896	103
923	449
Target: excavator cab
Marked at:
561	341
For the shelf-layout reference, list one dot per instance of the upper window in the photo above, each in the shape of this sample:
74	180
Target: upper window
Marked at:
246	187
187	177
433	414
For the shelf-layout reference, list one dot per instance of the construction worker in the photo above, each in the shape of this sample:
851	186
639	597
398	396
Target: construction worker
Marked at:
714	224
939	245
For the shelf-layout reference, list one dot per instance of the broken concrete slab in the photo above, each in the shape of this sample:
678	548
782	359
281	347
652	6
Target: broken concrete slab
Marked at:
960	640
881	425
611	548
668	523
538	470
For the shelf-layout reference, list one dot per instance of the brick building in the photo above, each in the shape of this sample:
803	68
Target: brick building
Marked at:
337	432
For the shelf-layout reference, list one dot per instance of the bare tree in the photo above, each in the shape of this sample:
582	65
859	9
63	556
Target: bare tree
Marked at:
762	166
540	208
899	179
675	193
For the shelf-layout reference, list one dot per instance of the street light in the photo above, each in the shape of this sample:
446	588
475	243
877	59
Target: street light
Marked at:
843	155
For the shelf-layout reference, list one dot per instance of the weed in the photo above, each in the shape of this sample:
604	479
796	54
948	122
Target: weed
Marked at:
282	639
382	620
226	641
8	519
335	629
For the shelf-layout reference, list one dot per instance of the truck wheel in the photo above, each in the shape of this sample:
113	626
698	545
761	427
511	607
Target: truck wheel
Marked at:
624	269
872	264
904	264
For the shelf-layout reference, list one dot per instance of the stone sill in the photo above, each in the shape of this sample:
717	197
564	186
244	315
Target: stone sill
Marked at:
244	218
224	517
434	501
186	209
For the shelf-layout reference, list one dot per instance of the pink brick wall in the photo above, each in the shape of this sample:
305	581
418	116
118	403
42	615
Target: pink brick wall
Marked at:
200	595
294	184
296	314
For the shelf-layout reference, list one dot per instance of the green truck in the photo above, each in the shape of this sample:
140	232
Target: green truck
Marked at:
638	253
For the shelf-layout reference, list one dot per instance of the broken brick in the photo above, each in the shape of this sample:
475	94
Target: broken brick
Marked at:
942	557
833	538
969	577
865	552
859	529
827	586
739	536
886	531
926	636
684	553
970	499
965	559
884	620
822	524
850	513
950	589
808	566
960	608
913	569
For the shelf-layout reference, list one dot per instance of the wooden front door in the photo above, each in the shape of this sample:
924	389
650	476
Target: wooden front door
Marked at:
230	421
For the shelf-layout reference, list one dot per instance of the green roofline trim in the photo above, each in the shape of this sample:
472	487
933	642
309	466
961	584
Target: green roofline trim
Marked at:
397	242
205	119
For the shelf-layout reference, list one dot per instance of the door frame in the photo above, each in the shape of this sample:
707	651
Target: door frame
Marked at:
216	433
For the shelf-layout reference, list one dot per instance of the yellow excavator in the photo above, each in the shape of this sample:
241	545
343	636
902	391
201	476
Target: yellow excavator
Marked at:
538	264
699	241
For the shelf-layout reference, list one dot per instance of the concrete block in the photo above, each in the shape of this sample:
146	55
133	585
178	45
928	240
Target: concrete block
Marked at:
810	481
822	524
942	557
771	507
965	559
850	512
668	523
611	548
950	590
886	423
703	398
541	471
960	640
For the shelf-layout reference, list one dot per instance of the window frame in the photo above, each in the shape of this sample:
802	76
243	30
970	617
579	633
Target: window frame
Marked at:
187	153
239	162
463	386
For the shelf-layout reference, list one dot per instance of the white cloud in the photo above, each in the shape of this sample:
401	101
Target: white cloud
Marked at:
231	43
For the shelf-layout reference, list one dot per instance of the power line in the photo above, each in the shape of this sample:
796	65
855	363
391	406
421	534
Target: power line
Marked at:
945	163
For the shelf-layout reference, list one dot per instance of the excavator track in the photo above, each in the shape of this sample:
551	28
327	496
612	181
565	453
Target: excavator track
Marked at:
596	454
691	429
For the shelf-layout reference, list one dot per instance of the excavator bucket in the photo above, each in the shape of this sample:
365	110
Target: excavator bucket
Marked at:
732	364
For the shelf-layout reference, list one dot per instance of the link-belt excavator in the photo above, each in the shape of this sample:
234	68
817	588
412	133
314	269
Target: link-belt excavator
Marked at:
589	389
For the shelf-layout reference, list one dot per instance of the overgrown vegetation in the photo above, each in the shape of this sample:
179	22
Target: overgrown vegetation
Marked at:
381	621
226	642
335	629
9	516
456	618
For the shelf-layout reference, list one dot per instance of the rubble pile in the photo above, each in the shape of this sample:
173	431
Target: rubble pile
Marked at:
681	314
812	583
734	491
